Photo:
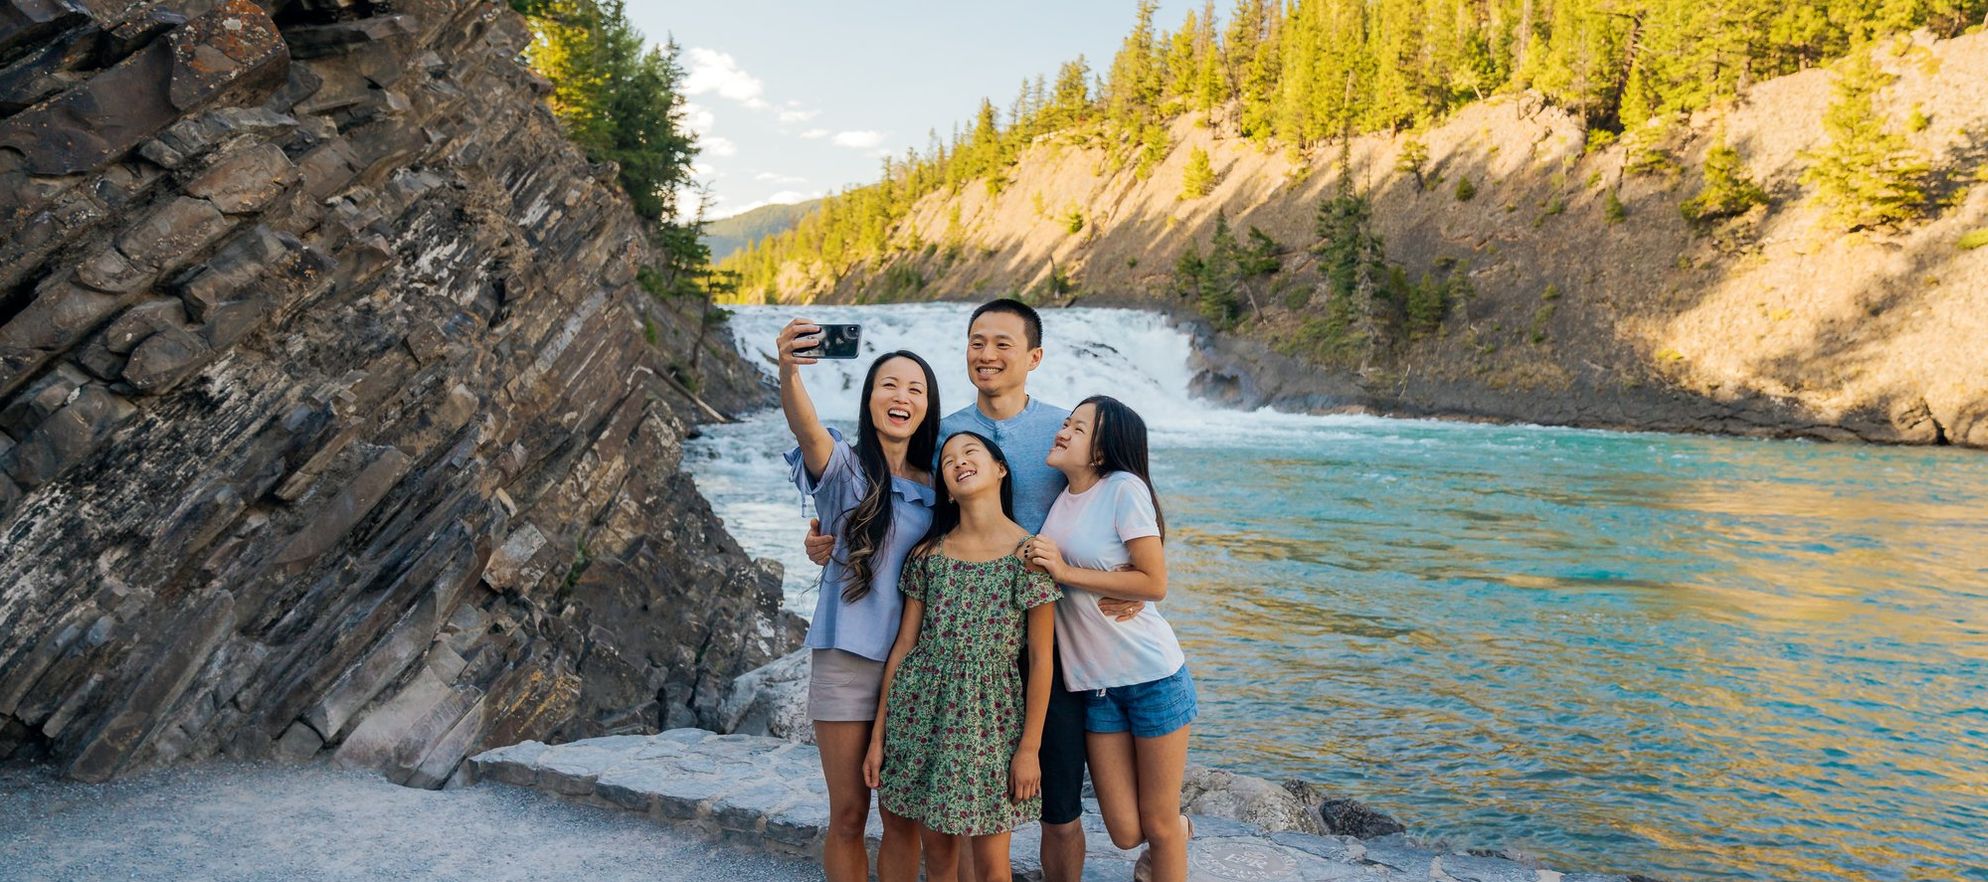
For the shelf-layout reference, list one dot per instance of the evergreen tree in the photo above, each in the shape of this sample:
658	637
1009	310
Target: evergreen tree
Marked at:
1199	178
1211	82
1220	279
1354	264
1867	174
1133	99
1070	102
1729	191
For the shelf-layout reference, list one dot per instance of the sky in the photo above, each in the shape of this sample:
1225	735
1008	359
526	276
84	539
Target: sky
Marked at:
793	100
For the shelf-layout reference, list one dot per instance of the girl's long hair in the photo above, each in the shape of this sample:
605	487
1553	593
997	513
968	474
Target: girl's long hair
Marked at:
867	525
1118	444
945	514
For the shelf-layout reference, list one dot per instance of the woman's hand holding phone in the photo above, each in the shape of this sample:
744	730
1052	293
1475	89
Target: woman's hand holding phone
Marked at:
799	334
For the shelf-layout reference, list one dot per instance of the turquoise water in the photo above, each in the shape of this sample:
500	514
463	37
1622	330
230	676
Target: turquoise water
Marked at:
1697	658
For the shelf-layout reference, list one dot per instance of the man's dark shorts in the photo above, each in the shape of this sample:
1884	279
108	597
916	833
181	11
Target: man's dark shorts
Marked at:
1062	753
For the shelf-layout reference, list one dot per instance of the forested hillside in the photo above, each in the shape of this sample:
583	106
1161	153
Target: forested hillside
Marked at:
1296	77
729	234
1659	214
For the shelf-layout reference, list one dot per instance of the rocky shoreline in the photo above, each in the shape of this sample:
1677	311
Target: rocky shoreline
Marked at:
771	703
1243	373
768	792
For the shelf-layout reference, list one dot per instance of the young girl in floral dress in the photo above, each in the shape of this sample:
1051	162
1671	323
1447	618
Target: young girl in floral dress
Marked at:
957	733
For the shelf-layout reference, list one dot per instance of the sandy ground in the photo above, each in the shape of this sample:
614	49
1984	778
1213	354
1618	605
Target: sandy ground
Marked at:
234	822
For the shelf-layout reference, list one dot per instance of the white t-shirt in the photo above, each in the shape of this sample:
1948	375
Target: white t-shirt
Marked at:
1092	529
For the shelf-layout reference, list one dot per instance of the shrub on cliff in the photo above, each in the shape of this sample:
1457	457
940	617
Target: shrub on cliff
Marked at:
1230	276
1199	178
1729	191
1867	175
1465	190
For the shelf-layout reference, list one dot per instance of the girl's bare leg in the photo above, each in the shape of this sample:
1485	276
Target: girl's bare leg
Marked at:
1162	762
1115	777
990	856
897	857
942	855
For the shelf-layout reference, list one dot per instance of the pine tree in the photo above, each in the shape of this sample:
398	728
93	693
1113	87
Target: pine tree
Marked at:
1199	178
1414	158
1354	264
1070	102
1866	175
1133	98
1221	278
1729	190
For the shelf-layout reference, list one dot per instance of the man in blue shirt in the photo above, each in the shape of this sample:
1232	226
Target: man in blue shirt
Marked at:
1003	344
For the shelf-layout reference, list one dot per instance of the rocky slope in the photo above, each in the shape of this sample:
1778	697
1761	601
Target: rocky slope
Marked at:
1775	323
333	421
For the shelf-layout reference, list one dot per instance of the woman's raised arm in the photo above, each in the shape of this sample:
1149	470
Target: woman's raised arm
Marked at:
816	443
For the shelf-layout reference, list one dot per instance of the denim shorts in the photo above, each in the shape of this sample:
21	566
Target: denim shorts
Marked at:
1147	710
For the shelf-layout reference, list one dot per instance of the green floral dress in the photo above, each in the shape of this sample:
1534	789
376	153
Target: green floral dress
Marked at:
956	708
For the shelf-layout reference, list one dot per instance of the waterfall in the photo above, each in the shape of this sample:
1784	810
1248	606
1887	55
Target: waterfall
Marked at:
1137	357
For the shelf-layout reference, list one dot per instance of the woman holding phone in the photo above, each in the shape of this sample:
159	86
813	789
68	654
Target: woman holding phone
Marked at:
874	494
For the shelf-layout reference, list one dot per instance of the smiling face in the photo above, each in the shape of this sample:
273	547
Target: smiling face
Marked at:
898	400
1075	445
969	468
998	356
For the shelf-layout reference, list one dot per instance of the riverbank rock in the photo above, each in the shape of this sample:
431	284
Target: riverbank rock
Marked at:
1251	800
771	700
331	418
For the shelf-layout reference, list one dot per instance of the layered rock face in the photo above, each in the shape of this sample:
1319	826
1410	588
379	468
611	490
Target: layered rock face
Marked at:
330	418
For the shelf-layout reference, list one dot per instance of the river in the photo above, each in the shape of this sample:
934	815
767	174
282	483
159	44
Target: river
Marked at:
1698	658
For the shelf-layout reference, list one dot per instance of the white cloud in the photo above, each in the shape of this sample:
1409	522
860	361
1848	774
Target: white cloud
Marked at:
777	178
697	118
860	140
717	146
712	71
815	134
702	169
790	115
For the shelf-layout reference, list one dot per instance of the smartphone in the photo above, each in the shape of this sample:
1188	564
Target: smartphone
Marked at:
836	341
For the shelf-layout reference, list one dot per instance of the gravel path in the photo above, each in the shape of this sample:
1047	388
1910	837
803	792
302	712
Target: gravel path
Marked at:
238	822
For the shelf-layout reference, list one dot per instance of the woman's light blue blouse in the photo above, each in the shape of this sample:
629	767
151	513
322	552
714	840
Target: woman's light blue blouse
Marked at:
867	626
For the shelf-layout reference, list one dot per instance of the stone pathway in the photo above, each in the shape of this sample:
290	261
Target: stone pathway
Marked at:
769	792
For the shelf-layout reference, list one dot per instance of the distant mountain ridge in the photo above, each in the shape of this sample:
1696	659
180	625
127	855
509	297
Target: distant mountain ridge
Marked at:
726	235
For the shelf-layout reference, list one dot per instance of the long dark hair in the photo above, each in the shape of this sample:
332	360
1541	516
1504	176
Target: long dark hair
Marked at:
1118	444
945	514
864	529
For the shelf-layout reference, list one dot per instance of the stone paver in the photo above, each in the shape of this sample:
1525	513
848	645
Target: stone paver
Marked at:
769	791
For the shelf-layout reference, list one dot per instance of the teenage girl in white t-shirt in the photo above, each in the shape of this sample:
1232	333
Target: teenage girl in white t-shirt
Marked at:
1103	539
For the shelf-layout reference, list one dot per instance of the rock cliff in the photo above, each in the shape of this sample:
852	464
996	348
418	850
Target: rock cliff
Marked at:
331	419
